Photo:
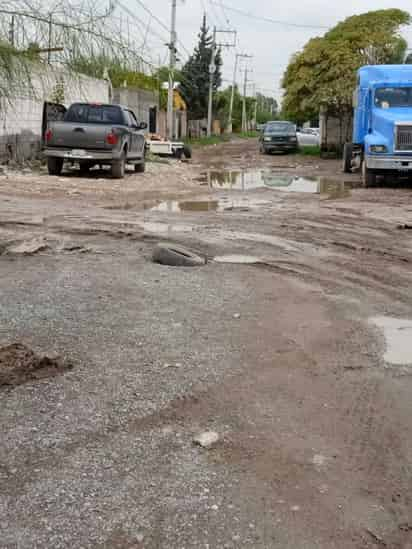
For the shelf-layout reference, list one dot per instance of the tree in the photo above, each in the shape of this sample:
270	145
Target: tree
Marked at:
323	74
195	76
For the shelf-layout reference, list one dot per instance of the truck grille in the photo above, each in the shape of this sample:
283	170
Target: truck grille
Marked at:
404	138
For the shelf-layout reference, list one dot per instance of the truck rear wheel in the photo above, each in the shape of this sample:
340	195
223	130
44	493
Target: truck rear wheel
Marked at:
119	167
347	157
54	165
368	176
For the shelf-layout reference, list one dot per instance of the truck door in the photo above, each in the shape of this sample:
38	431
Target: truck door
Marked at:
52	112
138	138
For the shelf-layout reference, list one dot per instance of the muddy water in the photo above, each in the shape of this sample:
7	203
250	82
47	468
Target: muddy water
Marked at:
224	204
398	337
244	180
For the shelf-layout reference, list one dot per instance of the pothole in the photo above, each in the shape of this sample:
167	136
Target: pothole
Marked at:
223	204
244	180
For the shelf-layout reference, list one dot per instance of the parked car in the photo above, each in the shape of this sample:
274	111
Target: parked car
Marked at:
91	134
279	136
308	137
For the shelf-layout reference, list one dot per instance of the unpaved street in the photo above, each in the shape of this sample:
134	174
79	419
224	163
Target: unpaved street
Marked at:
297	352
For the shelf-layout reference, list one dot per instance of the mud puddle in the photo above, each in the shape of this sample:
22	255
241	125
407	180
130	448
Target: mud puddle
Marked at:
19	364
223	204
398	337
243	180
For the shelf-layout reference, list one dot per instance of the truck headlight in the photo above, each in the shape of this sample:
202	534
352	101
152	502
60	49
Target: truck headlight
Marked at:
267	139
293	138
378	148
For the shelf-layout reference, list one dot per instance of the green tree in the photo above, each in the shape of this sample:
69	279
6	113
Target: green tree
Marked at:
324	72
194	82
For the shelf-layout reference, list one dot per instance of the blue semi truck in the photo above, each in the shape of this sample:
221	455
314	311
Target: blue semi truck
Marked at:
382	128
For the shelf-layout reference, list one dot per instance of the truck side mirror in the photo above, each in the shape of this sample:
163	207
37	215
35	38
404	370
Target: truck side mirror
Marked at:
142	126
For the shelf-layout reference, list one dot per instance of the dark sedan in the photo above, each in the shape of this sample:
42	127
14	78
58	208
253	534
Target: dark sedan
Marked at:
279	136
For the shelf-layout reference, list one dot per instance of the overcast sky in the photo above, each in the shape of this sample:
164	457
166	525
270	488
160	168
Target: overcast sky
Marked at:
270	44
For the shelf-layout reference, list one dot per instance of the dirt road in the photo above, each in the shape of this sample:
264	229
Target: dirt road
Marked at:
300	361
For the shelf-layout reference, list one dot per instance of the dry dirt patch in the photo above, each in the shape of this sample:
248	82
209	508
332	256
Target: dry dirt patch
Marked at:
19	364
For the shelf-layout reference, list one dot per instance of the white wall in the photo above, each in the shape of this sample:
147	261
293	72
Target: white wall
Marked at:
21	117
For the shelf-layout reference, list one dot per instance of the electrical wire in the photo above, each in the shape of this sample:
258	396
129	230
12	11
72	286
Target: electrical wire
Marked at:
267	19
163	25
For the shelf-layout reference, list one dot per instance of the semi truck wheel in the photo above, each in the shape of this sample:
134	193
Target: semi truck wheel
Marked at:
368	176
54	165
347	157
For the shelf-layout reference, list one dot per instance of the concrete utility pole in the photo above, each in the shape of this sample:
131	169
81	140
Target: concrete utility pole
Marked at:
11	31
244	115
232	97
172	63
49	41
256	106
212	70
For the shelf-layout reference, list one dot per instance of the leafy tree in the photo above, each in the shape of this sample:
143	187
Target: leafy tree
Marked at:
324	72
195	78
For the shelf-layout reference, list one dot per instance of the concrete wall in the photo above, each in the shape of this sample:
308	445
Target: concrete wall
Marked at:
334	132
21	117
139	101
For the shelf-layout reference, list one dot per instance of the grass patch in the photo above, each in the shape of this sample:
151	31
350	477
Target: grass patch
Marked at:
212	140
247	135
310	150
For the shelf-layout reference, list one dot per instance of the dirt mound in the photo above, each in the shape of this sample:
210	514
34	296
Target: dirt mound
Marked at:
19	364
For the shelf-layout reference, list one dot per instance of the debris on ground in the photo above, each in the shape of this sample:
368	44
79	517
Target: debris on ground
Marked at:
206	439
20	364
28	247
177	256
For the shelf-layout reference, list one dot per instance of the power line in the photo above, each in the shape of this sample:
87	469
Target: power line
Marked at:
222	7
267	19
163	25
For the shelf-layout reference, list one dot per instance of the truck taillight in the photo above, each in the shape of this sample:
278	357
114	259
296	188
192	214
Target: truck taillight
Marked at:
48	135
111	139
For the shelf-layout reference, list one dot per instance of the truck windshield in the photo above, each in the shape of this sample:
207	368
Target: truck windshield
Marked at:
387	98
279	127
94	114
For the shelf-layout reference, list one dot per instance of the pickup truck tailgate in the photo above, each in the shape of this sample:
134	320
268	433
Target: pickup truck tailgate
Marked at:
79	136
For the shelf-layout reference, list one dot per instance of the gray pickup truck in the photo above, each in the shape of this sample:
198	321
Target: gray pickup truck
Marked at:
94	134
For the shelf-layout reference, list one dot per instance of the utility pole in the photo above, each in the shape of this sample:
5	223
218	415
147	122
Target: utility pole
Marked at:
256	107
50	39
232	97
244	115
11	31
212	70
172	63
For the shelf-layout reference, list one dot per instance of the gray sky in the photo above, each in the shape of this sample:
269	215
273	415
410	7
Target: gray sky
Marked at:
270	44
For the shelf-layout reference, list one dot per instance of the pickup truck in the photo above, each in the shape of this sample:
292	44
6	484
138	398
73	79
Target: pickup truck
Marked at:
382	132
90	134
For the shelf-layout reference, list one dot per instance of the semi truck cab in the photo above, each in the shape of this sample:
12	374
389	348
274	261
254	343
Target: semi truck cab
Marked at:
382	129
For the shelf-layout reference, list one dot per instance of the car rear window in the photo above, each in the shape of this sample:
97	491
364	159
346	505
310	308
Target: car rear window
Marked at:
94	114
